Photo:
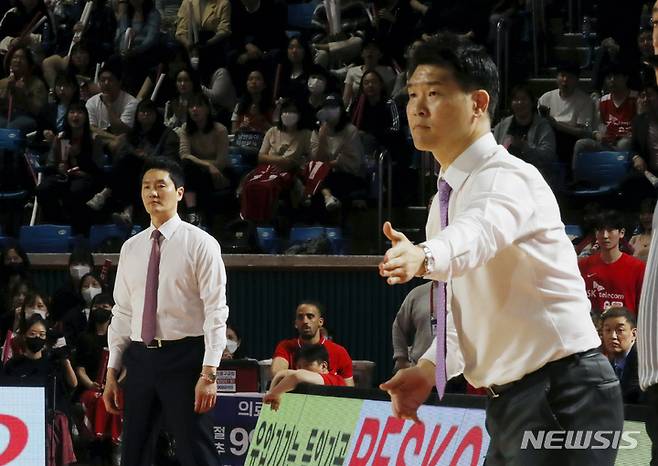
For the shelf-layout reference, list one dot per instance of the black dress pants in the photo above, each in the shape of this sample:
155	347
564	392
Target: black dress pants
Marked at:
576	393
161	382
652	421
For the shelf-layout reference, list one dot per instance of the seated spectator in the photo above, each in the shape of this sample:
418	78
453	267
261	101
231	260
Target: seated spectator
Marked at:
36	364
526	134
320	84
25	90
10	320
75	321
16	24
35	303
234	347
73	174
217	85
616	113
68	295
137	39
569	110
337	145
206	29
645	153
187	84
112	112
395	23
103	428
54	118
173	59
308	322
612	278
78	64
204	153
148	138
283	152
293	72
253	113
413	327
619	333
313	368
371	56
642	240
14	266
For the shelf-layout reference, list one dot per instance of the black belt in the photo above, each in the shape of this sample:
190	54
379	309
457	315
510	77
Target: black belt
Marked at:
158	343
494	391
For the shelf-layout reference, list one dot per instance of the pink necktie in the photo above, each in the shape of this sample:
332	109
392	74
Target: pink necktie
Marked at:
151	291
440	293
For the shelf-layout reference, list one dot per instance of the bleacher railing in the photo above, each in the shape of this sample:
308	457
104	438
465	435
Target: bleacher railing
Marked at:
384	158
502	56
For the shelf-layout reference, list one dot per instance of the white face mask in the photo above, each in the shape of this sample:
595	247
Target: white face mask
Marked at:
232	346
79	271
316	86
33	310
194	62
89	293
289	119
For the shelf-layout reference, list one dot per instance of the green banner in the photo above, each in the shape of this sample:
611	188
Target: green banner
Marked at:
293	436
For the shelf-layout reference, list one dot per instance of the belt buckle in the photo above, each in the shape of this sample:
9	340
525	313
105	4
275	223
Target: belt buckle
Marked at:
492	394
158	344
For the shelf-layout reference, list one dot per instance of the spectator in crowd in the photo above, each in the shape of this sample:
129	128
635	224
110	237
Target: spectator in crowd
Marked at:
645	152
68	295
313	368
35	303
371	56
22	91
14	266
642	240
206	29
320	84
148	138
569	110
395	27
337	144
187	84
76	320
204	152
52	368
78	64
11	317
612	278
284	150
67	91
112	112
526	134
413	327
616	112
234	347
74	174
253	113
309	319
91	368
16	25
217	85
619	335
173	59
137	40
293	72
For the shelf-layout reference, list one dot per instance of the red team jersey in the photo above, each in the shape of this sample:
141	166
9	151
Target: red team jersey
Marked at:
618	120
333	379
339	359
616	284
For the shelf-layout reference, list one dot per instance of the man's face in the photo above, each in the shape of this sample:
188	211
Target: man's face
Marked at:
618	335
608	237
618	82
159	194
645	44
109	83
440	113
308	321
315	366
566	81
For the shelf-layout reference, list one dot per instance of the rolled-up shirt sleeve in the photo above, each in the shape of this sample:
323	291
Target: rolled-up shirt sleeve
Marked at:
211	278
118	334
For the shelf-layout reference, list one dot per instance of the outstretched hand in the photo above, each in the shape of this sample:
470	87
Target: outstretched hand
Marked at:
409	388
403	261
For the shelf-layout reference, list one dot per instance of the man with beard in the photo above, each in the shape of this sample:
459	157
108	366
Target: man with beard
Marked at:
308	322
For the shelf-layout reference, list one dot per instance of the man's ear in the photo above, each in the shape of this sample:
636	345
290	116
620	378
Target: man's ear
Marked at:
179	193
321	320
622	232
481	100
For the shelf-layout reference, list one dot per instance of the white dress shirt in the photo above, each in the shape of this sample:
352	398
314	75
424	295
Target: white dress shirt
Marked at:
125	106
191	290
516	299
647	319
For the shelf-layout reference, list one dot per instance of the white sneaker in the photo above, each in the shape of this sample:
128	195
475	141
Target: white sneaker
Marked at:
98	201
331	203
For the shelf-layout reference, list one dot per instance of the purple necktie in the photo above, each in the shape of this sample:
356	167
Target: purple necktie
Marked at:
151	292
440	295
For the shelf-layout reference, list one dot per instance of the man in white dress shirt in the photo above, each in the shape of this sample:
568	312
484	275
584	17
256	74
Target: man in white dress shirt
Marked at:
168	327
516	315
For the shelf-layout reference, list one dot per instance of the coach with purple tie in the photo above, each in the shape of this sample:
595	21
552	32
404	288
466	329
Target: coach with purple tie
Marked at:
511	310
168	328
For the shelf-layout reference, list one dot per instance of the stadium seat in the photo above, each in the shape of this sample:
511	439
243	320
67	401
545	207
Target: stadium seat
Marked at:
10	139
101	233
4	240
45	238
301	234
599	173
573	231
238	162
267	240
300	15
335	236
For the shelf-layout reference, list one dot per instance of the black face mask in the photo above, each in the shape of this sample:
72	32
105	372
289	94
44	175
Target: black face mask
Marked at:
101	315
35	344
16	268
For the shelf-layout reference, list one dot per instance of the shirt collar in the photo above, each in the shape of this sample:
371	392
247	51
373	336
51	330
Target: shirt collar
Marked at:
167	228
467	161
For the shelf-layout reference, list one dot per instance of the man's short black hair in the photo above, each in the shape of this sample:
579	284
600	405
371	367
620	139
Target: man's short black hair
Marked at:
610	219
312	353
568	67
313	303
471	66
619	311
162	163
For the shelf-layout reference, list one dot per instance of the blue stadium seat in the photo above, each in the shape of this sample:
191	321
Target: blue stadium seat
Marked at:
573	231
4	240
335	236
100	233
301	14
237	161
600	173
45	238
268	240
301	234
10	139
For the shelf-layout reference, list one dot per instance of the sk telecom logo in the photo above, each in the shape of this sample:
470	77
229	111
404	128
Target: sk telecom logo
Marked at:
17	438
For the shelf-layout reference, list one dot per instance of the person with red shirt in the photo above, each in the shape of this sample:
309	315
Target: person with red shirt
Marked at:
308	322
314	368
612	278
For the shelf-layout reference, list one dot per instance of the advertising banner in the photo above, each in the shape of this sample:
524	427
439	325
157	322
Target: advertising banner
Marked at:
22	426
235	417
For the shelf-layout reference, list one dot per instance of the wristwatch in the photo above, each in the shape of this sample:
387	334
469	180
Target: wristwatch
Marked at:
429	259
210	377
